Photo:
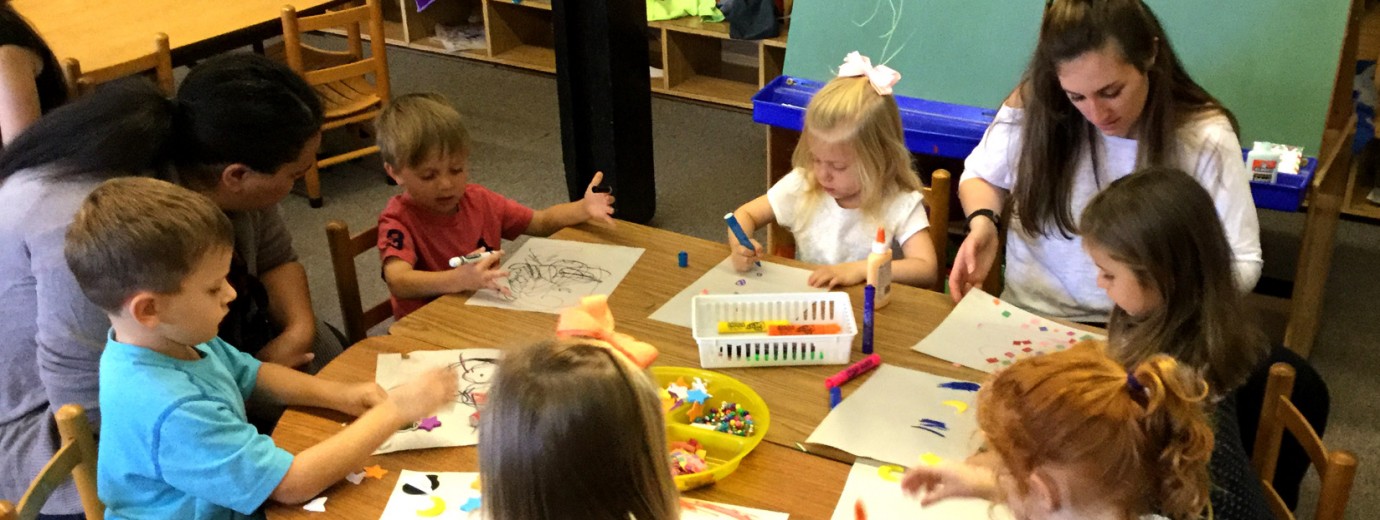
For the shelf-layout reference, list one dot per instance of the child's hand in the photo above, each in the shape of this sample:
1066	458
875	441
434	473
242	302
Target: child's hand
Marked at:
359	398
599	205
831	276
425	394
744	258
949	480
483	274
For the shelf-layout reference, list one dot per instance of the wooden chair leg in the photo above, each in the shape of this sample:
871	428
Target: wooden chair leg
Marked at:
313	180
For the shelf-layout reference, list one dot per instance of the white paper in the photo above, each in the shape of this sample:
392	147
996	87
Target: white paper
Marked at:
883	499
723	279
548	275
988	334
445	495
901	415
691	509
474	368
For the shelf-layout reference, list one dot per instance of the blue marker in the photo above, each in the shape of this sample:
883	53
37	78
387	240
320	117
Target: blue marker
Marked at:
869	298
835	396
737	230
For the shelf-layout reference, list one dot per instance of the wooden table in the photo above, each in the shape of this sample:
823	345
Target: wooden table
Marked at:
104	34
796	395
815	483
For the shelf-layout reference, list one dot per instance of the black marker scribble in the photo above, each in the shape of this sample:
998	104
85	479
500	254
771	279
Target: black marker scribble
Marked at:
550	282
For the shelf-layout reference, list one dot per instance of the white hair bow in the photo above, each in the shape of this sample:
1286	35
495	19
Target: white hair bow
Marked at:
881	76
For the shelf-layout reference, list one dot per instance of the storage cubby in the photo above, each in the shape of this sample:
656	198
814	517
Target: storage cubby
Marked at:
698	60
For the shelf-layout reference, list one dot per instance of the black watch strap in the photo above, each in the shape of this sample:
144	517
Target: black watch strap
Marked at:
992	215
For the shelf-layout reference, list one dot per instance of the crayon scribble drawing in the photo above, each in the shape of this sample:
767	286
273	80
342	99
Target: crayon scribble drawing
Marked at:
988	334
452	424
548	275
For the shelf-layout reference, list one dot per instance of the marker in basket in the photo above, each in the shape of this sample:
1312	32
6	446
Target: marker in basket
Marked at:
869	295
748	327
738	232
787	329
458	261
857	369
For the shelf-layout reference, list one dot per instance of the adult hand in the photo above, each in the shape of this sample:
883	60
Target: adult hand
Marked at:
975	258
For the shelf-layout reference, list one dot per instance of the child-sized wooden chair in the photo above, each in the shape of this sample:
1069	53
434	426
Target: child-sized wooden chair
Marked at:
340	78
76	458
344	248
1336	469
157	63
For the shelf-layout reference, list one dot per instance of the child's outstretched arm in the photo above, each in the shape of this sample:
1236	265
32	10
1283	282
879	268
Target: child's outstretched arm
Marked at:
324	464
595	205
408	283
950	480
919	268
753	215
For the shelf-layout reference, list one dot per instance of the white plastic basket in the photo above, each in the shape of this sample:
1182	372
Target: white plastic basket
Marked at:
753	350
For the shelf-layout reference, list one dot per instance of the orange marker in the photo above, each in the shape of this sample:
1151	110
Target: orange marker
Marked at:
803	330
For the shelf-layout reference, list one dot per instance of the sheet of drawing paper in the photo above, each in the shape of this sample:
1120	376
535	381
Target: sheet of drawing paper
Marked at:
444	495
878	486
902	416
723	279
988	334
451	426
548	275
691	509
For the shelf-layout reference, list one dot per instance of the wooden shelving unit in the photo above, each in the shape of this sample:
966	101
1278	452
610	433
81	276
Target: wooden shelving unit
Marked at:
690	53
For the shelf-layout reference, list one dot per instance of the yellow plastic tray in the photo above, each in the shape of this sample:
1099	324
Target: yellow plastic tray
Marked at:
723	450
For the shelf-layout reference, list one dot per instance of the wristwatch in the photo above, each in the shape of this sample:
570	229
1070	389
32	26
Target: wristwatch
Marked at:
992	215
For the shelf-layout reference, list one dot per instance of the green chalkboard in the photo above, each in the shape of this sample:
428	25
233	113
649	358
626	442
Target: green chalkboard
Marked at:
1272	62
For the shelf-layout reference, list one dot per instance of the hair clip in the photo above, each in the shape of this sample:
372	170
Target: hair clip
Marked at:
591	319
882	77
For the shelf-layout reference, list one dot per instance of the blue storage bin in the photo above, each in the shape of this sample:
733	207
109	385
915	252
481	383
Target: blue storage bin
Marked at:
931	127
950	130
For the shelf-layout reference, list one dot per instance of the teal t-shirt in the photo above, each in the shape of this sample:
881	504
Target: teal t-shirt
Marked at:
175	441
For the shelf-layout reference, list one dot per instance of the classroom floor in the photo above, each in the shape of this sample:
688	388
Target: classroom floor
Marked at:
710	159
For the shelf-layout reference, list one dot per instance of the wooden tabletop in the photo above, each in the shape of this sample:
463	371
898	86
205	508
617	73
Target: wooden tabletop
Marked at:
815	482
106	33
796	395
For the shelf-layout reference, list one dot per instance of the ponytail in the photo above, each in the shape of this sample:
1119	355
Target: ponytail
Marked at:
1140	440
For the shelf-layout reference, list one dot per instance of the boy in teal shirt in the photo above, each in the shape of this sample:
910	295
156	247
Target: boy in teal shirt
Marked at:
174	441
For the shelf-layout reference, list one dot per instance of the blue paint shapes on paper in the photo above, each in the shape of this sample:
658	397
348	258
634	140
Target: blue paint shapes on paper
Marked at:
961	385
933	426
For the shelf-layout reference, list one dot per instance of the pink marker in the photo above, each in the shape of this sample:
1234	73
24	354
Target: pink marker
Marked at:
859	368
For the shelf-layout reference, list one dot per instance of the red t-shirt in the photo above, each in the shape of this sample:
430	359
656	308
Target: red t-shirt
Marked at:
428	240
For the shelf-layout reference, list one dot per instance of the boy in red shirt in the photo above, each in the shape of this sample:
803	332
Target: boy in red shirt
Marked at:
440	215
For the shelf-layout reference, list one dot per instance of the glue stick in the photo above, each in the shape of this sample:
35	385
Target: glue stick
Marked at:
879	269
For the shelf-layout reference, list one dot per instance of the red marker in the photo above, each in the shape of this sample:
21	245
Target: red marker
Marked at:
859	368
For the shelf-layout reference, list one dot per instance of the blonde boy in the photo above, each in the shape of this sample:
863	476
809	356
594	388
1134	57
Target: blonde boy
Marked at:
441	215
175	442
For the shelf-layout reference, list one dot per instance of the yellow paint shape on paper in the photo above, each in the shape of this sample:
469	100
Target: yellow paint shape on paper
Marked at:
959	406
475	484
930	459
438	506
890	472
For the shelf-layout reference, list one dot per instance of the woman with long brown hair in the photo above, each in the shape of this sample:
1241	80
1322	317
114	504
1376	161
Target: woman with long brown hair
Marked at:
1104	94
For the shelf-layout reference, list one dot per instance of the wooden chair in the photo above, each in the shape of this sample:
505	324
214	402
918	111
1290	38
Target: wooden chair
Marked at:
1336	469
7	511
344	248
75	458
157	63
340	78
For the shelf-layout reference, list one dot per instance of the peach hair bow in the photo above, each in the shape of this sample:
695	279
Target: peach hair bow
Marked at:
591	319
882	77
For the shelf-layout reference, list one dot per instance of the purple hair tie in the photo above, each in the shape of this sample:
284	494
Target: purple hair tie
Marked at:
1133	385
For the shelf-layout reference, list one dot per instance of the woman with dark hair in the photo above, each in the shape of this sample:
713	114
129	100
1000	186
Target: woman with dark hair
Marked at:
30	79
242	130
1104	94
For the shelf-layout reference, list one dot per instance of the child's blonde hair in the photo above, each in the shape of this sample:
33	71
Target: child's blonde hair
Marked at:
1162	224
1139	440
415	127
573	431
849	110
140	234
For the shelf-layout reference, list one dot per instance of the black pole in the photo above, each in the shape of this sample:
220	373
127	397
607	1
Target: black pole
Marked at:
606	100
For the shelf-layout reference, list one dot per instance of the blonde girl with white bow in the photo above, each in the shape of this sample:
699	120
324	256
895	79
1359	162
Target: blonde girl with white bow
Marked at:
852	175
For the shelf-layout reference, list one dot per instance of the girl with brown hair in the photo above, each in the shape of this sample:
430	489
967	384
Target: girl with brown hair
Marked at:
1104	94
